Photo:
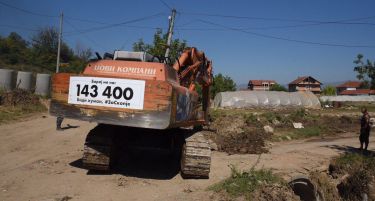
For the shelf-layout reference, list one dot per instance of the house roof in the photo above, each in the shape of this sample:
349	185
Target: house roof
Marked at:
350	84
358	92
300	79
259	82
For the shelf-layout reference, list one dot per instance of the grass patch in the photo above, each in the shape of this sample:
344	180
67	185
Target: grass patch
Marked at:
244	183
301	133
306	132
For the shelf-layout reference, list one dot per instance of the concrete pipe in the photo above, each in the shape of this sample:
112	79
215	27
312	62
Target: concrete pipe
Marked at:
305	189
7	79
43	84
25	80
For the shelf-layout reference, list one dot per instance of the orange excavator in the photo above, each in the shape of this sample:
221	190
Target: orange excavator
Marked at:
147	97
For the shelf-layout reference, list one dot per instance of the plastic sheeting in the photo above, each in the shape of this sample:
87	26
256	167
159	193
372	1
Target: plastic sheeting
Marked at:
265	99
348	98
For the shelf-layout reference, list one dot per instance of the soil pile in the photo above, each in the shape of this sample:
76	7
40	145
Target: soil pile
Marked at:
235	135
275	193
244	131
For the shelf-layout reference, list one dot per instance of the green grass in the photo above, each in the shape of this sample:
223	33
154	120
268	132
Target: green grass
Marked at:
243	183
301	133
250	118
306	132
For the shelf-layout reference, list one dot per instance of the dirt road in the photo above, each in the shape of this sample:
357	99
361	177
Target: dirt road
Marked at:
39	163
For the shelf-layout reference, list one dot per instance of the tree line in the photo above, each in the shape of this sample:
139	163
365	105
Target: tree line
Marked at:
39	53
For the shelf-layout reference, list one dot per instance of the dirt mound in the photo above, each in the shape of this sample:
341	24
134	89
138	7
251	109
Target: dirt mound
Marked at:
325	186
246	131
275	193
356	186
355	173
235	135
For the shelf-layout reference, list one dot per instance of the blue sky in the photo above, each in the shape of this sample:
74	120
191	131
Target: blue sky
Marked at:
242	55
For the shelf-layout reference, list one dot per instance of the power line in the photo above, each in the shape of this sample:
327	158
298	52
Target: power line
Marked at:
248	28
345	21
117	24
86	36
287	39
165	4
19	27
127	26
86	20
28	11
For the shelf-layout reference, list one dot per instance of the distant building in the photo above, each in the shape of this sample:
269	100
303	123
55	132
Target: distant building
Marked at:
348	86
358	92
306	83
260	85
353	88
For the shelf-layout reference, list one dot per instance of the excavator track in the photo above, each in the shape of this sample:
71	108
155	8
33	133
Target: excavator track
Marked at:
98	148
196	156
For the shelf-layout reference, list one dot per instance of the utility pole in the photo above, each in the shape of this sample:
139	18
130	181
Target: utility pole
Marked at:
59	44
170	32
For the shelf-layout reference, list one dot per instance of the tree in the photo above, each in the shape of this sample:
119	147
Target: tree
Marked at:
277	87
365	71
221	84
82	52
13	49
44	48
158	46
40	54
329	91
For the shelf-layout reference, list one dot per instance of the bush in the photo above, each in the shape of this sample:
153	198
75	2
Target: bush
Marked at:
18	103
329	91
277	87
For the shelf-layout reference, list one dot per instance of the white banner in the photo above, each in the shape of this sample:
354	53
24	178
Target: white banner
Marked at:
107	92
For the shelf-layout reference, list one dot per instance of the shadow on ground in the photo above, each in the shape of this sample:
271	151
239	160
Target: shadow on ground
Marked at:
351	149
150	164
69	127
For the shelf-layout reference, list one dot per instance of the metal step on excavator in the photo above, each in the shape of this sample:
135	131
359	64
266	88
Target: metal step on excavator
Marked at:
136	94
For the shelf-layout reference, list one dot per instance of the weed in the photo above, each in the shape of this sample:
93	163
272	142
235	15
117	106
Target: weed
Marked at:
307	132
301	133
243	183
298	115
250	118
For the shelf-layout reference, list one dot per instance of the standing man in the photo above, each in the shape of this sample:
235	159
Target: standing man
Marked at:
365	129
